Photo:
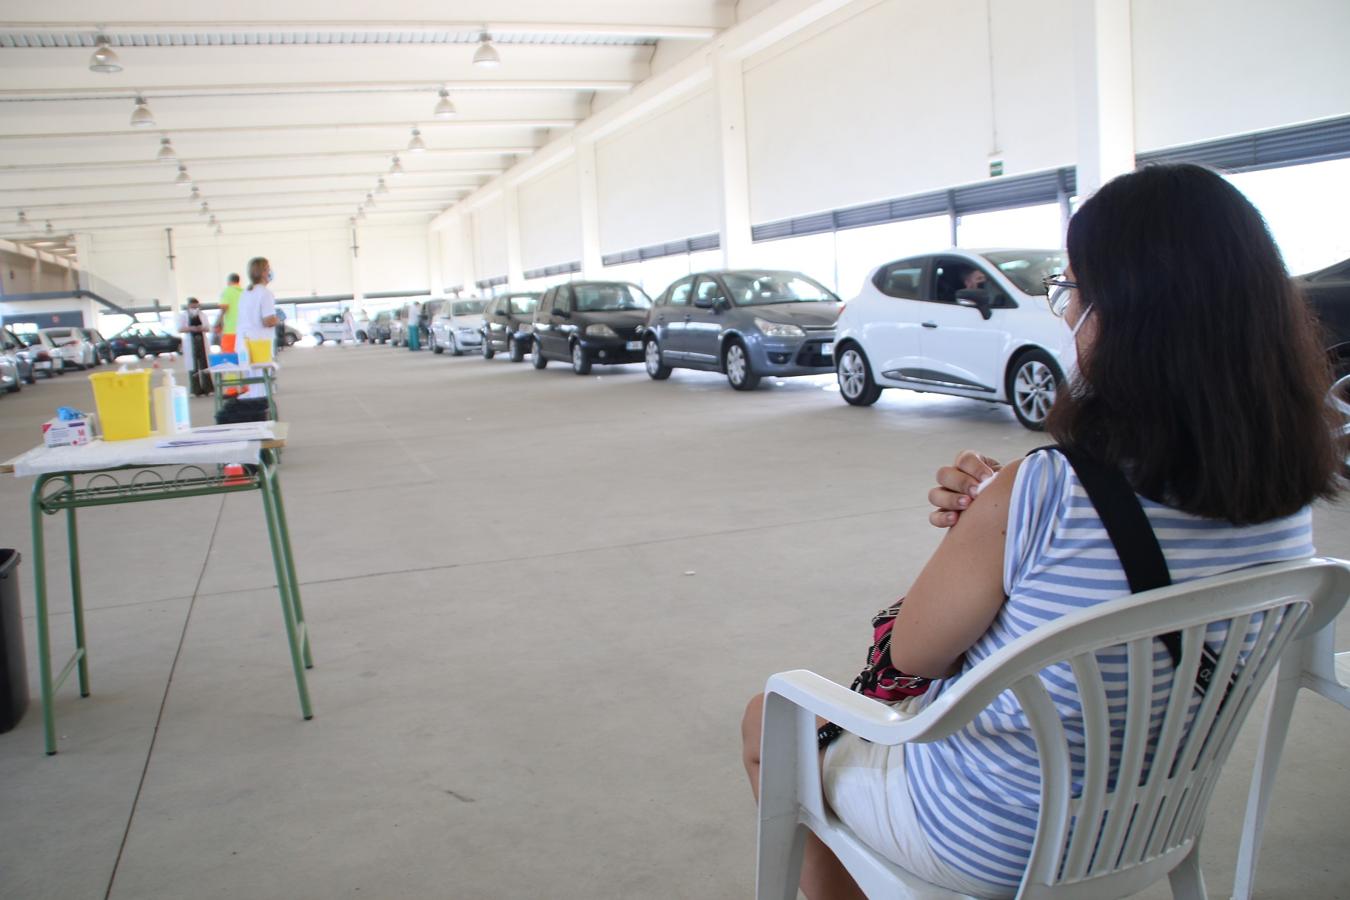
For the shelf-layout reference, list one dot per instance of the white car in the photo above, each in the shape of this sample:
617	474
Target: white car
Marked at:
458	326
69	347
973	323
333	327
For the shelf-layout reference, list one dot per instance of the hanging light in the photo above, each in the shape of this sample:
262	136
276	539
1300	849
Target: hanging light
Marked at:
219	231
49	228
381	187
416	145
212	220
360	213
397	168
104	59
204	209
444	108
182	175
23	217
370	200
195	195
486	55
141	117
165	153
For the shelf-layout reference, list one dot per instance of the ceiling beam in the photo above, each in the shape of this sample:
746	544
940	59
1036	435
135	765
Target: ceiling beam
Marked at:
202	183
262	157
315	87
36	210
338	26
402	125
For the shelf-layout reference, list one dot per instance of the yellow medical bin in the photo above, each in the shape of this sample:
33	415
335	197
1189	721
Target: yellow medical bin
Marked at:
123	400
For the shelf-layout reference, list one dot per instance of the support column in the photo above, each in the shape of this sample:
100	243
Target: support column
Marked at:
434	272
515	270
735	166
172	290
468	256
1104	78
358	296
589	207
84	252
35	275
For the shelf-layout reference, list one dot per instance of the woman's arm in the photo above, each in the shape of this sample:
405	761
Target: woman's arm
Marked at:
960	590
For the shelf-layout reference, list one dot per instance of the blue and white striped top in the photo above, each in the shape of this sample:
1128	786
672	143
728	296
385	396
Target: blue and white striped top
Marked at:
977	793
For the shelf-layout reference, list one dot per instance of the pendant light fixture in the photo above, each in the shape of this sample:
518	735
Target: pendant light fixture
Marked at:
195	195
204	209
444	108
212	220
23	217
370	200
381	187
165	153
141	117
48	229
397	168
360	213
219	231
104	59
486	55
416	145
182	175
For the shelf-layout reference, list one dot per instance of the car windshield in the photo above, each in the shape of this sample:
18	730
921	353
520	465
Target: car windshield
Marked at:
603	297
522	306
1028	269
763	288
467	307
61	335
331	317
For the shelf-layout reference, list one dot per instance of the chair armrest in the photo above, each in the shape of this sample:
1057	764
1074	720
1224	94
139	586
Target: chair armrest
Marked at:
856	714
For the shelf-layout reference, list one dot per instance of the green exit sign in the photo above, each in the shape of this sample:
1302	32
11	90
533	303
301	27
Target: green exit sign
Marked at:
995	168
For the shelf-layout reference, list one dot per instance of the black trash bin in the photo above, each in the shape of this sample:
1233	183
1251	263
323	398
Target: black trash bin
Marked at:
13	666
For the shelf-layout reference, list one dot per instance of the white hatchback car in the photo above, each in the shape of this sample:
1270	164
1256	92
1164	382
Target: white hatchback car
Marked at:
973	323
458	326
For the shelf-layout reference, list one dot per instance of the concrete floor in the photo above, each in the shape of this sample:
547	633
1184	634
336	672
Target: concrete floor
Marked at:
538	604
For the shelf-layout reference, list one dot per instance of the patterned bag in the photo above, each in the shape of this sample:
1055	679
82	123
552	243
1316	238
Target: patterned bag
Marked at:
879	679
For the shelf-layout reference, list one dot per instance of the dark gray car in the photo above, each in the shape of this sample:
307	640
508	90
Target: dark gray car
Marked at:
746	323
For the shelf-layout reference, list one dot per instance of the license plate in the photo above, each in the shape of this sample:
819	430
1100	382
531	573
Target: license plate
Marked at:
827	349
634	345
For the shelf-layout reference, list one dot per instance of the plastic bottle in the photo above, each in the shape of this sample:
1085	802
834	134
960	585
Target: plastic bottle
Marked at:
182	418
164	411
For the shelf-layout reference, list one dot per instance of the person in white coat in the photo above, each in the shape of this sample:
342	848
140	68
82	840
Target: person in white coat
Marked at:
348	326
257	316
194	328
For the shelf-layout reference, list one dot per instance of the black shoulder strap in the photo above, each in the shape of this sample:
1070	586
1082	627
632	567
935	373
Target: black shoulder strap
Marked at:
1132	536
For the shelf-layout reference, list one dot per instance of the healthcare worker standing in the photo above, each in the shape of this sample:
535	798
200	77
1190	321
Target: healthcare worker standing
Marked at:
192	324
257	320
229	313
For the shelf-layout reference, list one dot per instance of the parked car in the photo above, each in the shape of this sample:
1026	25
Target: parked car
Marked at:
507	321
144	340
590	322
1328	292
379	326
9	374
102	349
70	346
398	325
12	347
290	335
968	323
457	326
45	356
332	327
744	323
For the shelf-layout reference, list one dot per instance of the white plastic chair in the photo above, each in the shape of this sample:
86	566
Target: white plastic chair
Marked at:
1313	663
1150	828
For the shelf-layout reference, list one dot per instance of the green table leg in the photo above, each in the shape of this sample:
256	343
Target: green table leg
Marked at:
76	591
269	467
40	601
277	539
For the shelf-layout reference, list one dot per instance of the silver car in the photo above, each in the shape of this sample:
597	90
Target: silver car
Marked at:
458	326
9	374
69	347
745	323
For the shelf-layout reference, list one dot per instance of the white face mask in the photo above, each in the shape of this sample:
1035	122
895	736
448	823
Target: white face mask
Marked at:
1073	332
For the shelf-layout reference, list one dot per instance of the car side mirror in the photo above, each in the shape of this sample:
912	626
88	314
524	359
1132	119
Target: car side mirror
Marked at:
976	298
705	302
562	312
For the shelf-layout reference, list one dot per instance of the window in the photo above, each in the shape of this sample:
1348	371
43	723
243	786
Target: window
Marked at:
900	279
520	304
752	288
605	296
709	292
679	293
951	275
466	307
1028	269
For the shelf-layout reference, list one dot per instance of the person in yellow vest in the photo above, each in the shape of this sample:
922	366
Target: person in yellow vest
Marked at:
227	325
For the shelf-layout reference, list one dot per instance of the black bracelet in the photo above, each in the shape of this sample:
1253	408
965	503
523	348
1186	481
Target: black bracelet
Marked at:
826	734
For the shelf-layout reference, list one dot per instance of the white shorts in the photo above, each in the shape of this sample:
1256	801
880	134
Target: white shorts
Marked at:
866	788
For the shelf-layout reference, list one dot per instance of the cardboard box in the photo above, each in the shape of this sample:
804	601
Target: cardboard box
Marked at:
67	433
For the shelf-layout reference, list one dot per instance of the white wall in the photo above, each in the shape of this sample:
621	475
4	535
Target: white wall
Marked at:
658	180
550	220
896	100
489	238
394	258
1205	70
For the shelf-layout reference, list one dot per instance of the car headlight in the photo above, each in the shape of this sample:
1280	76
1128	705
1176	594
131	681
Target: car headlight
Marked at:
603	331
777	329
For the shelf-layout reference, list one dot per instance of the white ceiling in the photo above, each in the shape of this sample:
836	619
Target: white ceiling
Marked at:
293	108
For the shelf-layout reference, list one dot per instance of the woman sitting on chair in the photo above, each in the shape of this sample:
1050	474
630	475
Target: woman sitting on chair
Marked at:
1201	379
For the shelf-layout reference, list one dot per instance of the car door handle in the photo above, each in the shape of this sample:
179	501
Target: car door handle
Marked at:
929	324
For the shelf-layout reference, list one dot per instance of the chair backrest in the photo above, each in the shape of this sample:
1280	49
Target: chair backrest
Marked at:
1122	833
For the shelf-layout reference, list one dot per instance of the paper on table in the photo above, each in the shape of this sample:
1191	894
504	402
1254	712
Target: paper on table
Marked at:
111	454
220	434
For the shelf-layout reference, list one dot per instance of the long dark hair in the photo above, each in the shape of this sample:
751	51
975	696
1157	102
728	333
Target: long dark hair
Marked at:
1206	381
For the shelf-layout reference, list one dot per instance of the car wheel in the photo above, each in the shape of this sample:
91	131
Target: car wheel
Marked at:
1033	381
290	339
488	351
736	363
362	337
652	356
517	350
318	338
433	344
455	348
142	353
855	378
581	363
537	357
31	379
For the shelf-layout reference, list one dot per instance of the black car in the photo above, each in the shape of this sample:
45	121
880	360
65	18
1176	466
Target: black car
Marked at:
1328	290
379	327
102	348
590	322
143	341
507	321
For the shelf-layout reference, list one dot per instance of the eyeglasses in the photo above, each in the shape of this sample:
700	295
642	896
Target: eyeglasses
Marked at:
1058	292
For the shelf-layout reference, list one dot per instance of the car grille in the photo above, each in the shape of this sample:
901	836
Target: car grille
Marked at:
810	355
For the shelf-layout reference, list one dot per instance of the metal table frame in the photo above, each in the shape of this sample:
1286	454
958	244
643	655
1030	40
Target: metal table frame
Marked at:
58	491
